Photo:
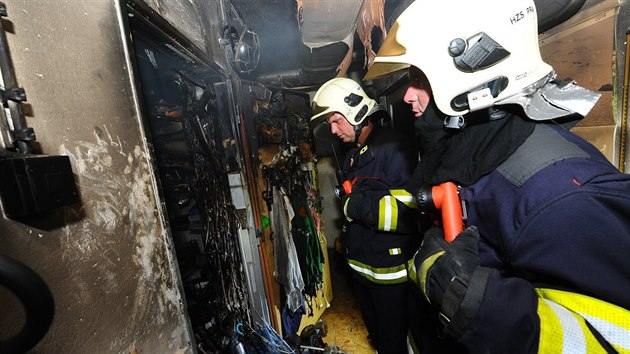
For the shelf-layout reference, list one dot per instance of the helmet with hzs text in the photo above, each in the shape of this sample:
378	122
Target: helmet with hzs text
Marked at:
474	54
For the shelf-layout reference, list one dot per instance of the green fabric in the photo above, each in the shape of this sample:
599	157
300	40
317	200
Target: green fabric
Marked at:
305	236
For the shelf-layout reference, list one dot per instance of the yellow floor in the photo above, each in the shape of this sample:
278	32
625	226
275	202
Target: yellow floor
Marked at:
343	319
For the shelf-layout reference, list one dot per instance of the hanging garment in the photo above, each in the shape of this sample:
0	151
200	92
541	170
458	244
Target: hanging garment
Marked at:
309	249
288	271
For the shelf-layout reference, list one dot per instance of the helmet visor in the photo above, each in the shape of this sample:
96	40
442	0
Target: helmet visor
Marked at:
318	110
388	59
319	113
378	70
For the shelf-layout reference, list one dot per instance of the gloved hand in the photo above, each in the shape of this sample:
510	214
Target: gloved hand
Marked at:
357	207
444	269
451	278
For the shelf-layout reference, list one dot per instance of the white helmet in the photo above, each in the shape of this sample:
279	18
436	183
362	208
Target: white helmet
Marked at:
344	96
474	53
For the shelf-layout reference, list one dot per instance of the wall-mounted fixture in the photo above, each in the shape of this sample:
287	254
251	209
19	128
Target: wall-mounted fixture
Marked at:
31	183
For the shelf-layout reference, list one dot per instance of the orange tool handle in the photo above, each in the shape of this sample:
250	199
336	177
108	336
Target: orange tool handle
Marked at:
446	199
347	186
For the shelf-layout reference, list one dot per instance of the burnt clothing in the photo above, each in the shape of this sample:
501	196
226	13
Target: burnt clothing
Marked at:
384	162
554	220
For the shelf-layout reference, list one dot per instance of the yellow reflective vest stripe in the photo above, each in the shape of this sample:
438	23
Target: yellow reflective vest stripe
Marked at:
563	317
389	275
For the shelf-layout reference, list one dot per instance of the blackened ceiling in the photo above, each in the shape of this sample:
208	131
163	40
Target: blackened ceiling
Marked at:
285	61
275	22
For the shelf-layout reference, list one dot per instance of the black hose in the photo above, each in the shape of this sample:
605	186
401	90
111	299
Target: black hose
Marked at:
37	300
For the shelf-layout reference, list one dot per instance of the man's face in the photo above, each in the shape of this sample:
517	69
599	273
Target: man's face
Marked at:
340	127
418	97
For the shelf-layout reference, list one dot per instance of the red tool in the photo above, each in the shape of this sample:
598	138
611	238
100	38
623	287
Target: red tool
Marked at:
344	188
345	185
444	197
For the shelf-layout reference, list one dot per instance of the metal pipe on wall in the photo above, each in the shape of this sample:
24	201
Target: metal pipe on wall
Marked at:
13	95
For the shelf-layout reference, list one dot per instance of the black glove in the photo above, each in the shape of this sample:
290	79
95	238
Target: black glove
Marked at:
444	272
439	263
357	207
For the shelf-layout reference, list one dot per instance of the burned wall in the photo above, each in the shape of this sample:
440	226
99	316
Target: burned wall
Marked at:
108	260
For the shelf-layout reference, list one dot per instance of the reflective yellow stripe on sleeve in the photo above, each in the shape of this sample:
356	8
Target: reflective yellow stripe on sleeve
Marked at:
424	271
411	270
404	197
550	329
562	331
611	321
387	213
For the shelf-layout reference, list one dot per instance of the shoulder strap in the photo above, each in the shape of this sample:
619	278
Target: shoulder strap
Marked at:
544	147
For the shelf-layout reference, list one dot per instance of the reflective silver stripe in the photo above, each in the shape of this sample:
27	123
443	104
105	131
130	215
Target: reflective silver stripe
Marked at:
387	218
611	321
394	251
345	210
573	340
404	197
612	333
379	276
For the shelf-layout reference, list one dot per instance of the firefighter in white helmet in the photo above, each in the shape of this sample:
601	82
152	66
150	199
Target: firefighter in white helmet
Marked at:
347	98
541	265
379	162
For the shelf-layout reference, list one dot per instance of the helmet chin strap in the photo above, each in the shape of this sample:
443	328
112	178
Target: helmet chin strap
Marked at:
357	131
454	122
359	127
488	114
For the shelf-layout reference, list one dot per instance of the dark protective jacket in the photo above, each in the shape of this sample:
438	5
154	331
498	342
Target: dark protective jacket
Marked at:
384	162
554	220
